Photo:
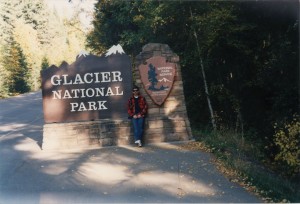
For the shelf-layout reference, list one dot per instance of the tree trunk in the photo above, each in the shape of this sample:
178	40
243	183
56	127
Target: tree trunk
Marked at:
299	87
204	80
207	94
239	122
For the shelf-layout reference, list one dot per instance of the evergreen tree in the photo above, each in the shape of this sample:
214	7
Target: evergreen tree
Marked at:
45	63
9	13
27	37
39	32
17	70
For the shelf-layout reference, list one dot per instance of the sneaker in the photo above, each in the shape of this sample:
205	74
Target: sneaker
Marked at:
140	143
137	141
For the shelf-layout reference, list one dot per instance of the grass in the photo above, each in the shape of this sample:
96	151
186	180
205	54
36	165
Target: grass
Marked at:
243	162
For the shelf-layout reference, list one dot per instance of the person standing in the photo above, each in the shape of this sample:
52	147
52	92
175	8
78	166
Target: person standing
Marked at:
137	110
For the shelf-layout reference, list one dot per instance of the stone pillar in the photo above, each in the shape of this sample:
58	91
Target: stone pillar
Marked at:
168	122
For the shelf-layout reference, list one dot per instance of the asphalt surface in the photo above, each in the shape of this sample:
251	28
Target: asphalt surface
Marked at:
160	173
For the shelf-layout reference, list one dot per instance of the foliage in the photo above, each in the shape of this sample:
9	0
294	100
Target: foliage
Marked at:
242	161
39	32
17	70
250	60
287	138
250	54
45	63
27	37
114	20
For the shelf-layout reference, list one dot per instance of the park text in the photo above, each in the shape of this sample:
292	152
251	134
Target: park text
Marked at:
105	80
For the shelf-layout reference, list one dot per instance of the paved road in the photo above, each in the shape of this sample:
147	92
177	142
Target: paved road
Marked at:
155	173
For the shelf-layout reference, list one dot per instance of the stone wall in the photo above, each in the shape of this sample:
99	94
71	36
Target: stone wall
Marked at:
87	134
168	122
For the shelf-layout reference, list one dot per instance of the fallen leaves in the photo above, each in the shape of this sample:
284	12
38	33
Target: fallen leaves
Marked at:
180	193
194	146
233	175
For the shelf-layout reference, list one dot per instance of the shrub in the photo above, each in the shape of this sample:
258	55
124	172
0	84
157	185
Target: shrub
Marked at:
287	138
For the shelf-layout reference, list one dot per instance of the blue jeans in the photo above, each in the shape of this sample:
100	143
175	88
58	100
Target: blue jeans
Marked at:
138	128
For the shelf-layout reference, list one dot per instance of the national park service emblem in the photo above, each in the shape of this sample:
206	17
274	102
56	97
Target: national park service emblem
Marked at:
157	76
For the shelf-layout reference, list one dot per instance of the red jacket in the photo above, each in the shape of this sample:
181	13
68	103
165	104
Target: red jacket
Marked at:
142	104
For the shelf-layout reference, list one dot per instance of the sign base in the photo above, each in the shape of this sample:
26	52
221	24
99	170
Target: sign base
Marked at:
86	134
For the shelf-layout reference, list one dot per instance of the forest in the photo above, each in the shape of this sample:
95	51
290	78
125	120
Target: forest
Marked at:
239	60
247	51
33	36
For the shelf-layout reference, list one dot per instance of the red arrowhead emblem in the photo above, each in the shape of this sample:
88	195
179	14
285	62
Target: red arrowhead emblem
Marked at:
157	76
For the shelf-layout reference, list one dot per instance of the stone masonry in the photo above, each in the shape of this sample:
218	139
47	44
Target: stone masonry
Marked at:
165	123
88	134
168	122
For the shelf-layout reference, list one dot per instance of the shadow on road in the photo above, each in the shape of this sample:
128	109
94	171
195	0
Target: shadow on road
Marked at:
155	173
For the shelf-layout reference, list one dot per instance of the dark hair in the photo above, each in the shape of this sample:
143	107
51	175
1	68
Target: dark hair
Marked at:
135	87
